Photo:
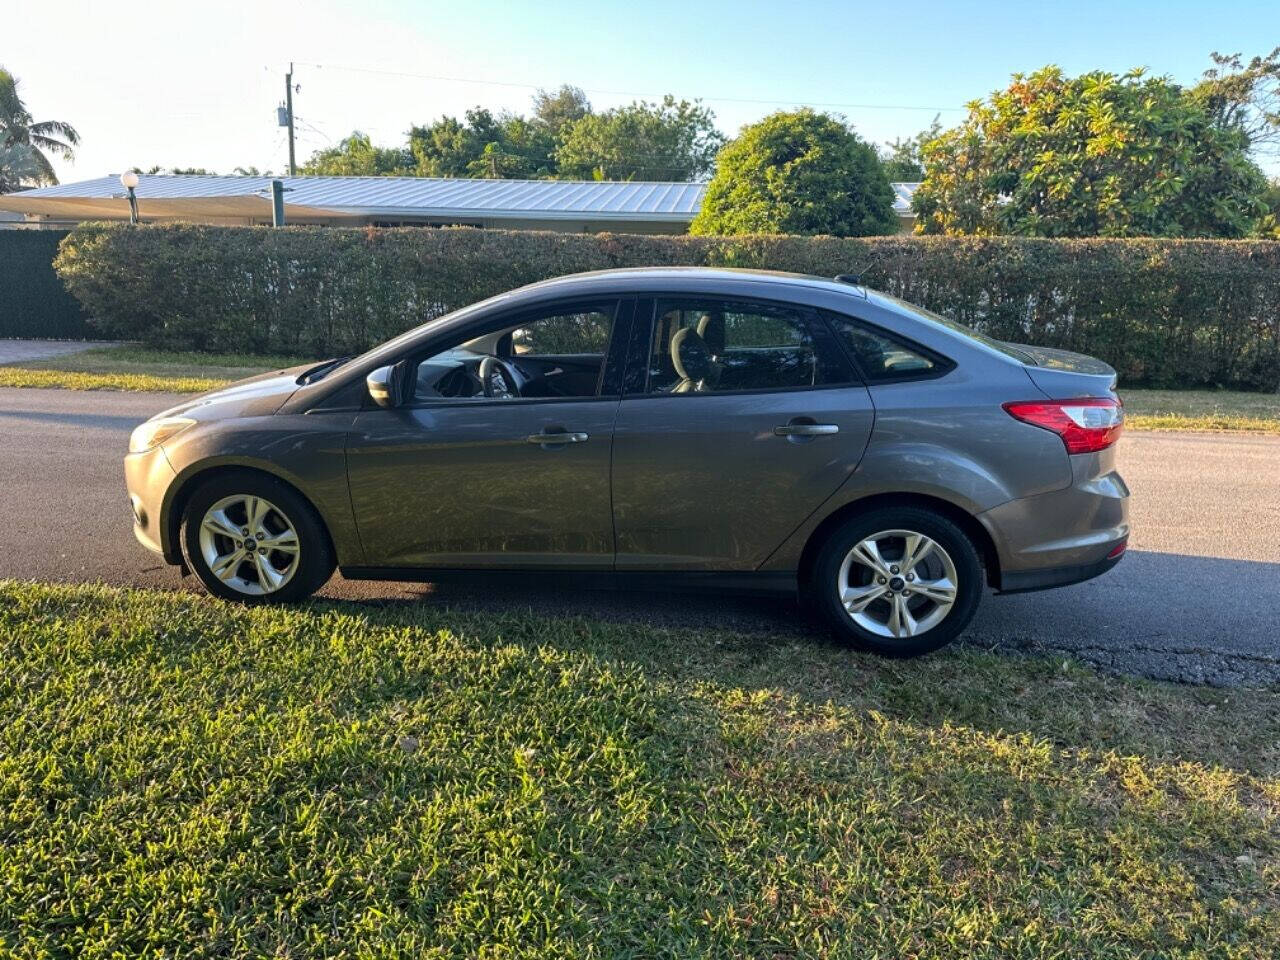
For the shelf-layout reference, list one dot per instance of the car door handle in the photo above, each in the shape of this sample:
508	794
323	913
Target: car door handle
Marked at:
806	430
558	438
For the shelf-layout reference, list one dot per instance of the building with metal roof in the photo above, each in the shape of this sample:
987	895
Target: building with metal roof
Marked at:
563	205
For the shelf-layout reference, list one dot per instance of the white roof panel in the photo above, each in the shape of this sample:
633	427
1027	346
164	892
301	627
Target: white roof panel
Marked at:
398	197
426	196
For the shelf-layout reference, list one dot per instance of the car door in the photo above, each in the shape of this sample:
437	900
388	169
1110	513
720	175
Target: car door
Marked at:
739	420
468	481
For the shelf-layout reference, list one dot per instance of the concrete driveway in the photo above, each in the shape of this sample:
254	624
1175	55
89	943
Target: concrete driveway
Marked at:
1197	598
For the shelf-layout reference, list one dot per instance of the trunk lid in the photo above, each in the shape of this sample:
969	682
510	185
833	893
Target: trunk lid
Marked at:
1064	375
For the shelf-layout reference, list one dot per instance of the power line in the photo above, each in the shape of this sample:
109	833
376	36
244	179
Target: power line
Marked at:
626	93
313	128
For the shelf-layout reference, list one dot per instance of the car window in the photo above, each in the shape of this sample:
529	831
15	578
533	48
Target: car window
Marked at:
705	346
566	334
560	355
881	357
1008	349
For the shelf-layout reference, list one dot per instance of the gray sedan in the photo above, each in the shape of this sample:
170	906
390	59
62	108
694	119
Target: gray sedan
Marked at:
715	429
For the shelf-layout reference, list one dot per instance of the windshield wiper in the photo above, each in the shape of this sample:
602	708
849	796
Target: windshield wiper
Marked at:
321	370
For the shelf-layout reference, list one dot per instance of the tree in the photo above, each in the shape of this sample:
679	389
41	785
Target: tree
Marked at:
26	143
485	145
798	172
1245	96
178	171
1268	225
559	109
18	168
902	159
1095	155
356	156
671	140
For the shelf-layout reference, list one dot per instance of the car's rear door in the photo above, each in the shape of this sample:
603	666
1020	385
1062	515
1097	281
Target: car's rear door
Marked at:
730	433
480	482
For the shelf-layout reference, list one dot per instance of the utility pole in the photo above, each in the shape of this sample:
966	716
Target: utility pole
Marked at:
288	107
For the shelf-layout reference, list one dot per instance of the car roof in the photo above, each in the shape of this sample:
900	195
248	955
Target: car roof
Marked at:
708	279
777	285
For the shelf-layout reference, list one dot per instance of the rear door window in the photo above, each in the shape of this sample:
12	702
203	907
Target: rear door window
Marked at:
714	346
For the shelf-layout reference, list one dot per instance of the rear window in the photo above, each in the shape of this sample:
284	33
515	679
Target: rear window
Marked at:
881	357
1009	350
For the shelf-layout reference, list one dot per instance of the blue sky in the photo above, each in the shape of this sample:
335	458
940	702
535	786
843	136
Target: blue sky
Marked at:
196	84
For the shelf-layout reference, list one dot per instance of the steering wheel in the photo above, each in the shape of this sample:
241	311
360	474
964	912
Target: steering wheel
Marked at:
498	380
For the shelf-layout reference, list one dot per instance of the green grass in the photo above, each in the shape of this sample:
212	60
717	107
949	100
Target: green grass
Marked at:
183	777
135	368
129	382
1202	410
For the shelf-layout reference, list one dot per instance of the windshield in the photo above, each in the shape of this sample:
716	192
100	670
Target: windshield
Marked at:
1008	349
413	332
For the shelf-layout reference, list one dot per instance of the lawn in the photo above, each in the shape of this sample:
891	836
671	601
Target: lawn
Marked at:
1202	410
182	777
139	369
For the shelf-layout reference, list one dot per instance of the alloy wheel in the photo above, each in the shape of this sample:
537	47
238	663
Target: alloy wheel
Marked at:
897	583
249	544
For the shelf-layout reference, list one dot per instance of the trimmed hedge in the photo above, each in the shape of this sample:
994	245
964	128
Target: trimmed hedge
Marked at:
33	301
1163	312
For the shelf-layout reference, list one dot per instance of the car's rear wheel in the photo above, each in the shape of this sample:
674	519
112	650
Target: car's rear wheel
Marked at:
251	538
898	581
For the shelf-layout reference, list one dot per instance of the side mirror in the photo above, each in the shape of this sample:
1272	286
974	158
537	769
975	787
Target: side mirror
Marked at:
384	385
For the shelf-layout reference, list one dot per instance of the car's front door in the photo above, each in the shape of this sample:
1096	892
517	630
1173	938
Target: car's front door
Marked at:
459	479
742	419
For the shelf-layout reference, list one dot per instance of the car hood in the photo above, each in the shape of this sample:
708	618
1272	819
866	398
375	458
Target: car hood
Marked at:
1063	374
258	396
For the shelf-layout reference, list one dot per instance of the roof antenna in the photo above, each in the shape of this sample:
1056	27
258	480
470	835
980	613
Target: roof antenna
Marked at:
856	278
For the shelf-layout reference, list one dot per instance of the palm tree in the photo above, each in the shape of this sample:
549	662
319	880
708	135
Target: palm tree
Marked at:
25	143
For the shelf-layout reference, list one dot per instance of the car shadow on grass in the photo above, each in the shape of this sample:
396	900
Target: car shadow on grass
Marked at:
1163	616
757	644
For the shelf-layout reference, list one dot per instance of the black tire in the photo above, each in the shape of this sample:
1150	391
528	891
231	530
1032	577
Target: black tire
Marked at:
315	560
824	587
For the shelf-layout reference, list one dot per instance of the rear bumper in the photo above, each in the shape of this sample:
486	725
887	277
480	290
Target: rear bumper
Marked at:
1064	536
1027	580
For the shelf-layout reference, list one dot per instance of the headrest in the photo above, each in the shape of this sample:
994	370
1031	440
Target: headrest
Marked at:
689	355
711	330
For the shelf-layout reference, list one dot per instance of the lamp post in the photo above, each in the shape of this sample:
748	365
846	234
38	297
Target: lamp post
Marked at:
129	181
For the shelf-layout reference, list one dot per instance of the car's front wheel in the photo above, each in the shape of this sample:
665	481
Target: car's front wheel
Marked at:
251	538
898	581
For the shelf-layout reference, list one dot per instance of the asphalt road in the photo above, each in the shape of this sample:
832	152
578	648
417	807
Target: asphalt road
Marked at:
1196	599
20	351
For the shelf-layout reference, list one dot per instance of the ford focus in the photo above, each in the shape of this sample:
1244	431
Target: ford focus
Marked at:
715	429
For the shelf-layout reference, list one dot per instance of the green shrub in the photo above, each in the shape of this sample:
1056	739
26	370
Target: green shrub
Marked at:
1163	312
33	303
798	172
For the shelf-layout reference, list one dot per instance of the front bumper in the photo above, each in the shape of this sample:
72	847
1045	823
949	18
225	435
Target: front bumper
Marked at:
1064	536
147	477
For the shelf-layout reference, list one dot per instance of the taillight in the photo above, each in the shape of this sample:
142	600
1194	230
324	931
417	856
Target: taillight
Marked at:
1085	425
